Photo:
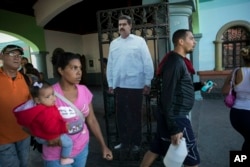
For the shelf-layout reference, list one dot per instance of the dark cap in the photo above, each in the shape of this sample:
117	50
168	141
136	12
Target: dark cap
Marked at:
10	48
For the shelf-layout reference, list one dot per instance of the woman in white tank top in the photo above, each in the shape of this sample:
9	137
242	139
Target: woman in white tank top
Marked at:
240	112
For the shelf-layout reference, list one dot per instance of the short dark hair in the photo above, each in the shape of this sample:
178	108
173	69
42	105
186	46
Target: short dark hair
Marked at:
31	70
29	66
126	17
36	86
25	58
179	34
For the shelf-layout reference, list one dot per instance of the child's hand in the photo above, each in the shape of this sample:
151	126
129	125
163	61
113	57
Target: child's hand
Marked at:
67	126
55	142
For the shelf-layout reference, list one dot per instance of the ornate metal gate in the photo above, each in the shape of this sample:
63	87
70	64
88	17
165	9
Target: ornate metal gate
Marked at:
152	23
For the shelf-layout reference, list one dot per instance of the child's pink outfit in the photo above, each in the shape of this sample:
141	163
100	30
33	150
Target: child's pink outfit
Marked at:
79	132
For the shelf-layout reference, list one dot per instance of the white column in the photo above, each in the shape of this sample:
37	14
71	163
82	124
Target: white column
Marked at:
179	18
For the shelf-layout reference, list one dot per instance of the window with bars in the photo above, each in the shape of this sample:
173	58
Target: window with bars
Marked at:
234	39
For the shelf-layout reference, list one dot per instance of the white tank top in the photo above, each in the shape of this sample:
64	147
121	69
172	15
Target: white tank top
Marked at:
242	90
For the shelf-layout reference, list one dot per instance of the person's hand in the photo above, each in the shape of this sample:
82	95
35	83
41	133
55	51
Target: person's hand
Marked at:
107	154
176	139
55	142
146	90
210	89
68	126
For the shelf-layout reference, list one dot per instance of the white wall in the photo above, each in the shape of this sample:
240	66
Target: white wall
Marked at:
212	16
66	41
83	44
91	52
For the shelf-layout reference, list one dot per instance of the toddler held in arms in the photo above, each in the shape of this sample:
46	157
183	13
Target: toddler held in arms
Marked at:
43	120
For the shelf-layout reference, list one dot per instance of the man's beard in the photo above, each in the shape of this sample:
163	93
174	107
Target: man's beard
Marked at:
189	52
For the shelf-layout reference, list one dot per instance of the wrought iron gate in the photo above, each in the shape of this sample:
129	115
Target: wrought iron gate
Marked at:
152	23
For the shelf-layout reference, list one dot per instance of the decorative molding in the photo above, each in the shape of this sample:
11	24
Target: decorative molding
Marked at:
46	10
231	24
218	41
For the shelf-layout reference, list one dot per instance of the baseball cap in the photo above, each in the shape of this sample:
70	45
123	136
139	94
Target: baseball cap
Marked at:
10	48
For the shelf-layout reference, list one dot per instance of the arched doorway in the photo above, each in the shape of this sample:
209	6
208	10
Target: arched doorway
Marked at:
224	40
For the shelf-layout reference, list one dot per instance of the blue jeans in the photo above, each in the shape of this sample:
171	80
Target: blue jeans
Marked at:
15	154
66	145
79	160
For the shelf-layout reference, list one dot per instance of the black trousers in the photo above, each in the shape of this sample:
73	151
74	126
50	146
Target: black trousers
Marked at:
129	115
240	121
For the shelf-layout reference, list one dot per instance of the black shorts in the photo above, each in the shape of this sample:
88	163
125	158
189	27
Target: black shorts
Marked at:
162	141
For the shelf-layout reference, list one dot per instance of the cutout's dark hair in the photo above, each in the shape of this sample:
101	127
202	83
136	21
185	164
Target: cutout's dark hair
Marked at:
126	17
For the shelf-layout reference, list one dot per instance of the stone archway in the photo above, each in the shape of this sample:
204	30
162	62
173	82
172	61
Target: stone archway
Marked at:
218	41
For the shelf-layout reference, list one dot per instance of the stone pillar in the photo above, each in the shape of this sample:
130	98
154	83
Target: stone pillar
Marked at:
179	18
218	55
196	64
41	62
